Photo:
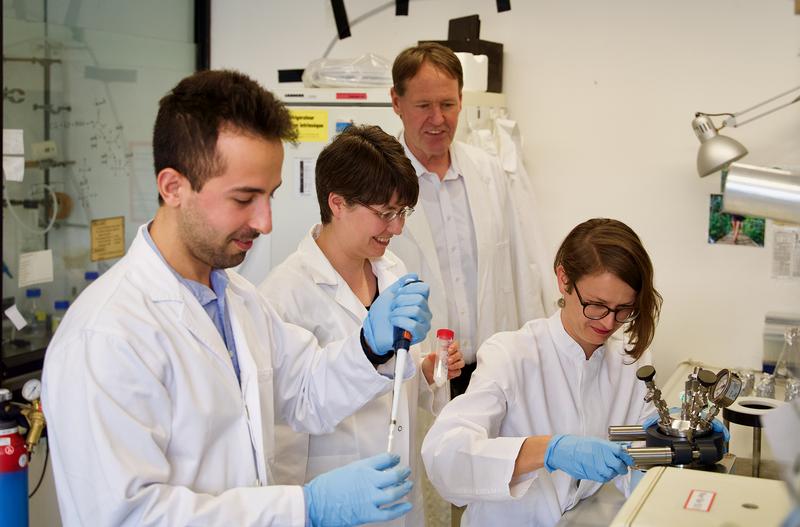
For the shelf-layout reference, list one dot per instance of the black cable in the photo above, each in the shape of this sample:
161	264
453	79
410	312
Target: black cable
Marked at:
44	469
340	17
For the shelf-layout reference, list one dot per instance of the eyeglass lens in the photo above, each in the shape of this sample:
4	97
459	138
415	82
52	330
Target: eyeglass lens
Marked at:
598	311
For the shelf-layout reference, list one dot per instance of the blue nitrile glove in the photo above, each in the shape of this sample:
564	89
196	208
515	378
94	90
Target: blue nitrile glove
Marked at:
716	424
359	493
402	305
586	457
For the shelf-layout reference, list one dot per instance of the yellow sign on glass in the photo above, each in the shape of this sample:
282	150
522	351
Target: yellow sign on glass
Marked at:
312	125
108	238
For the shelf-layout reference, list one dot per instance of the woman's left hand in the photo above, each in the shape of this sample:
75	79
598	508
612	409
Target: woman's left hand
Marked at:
455	360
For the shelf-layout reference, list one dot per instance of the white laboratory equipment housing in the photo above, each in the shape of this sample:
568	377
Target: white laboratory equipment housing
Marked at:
320	114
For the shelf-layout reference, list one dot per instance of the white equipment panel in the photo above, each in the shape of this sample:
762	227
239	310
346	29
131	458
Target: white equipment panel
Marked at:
669	496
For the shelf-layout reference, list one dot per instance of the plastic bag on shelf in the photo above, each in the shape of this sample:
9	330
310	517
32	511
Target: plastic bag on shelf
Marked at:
367	71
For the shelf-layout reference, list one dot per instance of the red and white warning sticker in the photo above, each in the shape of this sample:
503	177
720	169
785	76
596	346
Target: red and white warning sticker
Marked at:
700	500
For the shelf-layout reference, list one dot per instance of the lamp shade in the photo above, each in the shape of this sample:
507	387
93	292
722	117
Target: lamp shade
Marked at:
758	191
716	151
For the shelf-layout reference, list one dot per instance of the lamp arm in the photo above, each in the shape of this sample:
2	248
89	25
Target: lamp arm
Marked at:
731	121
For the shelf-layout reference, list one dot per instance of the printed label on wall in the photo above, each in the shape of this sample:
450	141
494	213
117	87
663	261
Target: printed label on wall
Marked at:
35	268
786	252
304	184
108	238
312	125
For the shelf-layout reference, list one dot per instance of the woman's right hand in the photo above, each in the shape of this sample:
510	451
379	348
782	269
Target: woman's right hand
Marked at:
587	457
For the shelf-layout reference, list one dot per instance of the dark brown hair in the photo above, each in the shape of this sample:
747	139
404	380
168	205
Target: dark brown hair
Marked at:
191	116
410	60
605	245
365	165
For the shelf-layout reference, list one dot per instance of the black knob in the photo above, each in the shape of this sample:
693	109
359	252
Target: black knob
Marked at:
646	373
707	378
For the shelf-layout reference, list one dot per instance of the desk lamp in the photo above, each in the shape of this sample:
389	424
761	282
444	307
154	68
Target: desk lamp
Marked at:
747	189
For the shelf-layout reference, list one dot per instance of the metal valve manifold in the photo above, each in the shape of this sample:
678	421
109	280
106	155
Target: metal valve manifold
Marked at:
684	438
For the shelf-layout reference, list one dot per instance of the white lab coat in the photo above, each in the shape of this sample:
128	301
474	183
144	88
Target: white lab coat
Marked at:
509	280
501	137
306	290
147	422
534	381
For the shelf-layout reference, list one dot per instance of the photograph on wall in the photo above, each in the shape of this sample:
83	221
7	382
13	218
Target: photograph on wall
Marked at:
733	229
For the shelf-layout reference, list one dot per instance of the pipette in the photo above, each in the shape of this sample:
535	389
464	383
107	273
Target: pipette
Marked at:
402	340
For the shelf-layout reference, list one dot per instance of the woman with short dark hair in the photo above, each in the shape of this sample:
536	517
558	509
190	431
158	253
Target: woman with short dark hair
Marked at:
366	187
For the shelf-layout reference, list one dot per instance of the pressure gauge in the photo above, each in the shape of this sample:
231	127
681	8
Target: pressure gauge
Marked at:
32	390
727	388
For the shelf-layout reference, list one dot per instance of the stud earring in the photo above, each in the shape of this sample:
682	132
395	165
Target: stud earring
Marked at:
561	302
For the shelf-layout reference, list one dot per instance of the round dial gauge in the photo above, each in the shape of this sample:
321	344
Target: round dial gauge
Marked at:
32	389
727	388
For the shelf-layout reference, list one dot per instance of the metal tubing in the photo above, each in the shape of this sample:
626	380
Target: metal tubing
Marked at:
648	456
756	451
626	433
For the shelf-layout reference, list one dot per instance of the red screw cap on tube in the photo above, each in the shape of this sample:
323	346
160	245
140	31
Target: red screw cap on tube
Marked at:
445	334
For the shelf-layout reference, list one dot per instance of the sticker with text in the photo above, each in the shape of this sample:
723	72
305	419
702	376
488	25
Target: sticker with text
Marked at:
700	500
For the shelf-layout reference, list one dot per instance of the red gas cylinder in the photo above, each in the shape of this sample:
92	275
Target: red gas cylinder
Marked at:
13	476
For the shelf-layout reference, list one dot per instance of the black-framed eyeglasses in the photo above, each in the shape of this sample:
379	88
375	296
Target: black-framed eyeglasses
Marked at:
389	215
600	311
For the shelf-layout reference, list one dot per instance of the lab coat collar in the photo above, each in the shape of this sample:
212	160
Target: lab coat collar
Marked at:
419	168
464	164
476	184
153	276
324	274
566	346
321	269
417	223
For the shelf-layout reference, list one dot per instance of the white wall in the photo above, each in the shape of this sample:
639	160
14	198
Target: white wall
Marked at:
604	93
